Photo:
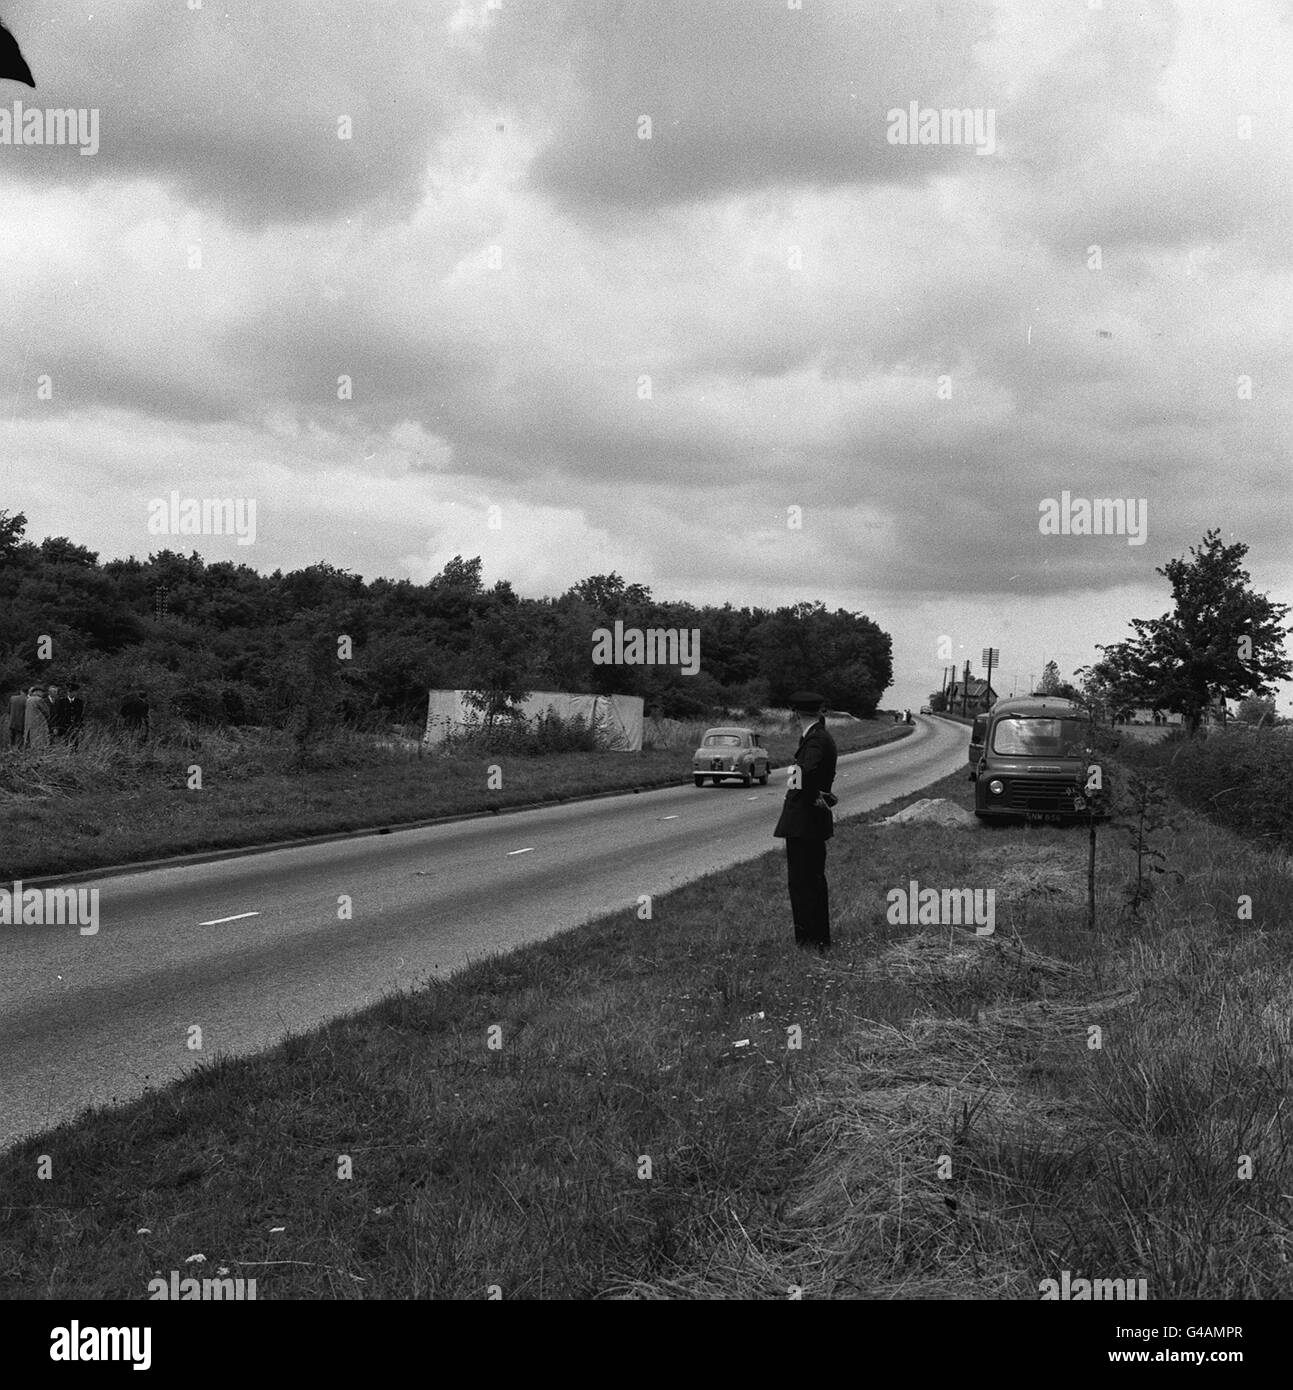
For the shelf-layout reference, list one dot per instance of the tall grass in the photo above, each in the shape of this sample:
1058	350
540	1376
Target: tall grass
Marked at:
1239	777
964	1118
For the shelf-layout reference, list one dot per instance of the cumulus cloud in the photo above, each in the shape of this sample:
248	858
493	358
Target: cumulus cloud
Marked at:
646	353
237	106
738	95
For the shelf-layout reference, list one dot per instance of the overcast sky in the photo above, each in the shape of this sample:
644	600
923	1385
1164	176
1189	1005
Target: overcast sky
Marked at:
645	353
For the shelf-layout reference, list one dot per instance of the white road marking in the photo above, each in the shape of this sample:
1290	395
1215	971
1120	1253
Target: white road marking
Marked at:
215	921
511	852
666	818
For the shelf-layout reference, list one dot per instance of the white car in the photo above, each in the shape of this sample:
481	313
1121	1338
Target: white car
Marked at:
729	753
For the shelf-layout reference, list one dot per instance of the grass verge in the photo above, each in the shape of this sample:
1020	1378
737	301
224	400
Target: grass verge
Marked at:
964	1117
111	803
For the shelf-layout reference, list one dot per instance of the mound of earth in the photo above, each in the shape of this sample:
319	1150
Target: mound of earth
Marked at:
933	811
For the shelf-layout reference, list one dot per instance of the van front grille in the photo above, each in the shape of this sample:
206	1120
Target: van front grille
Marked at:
1041	794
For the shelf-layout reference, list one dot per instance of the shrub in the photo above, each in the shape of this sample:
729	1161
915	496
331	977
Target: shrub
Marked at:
548	733
1242	778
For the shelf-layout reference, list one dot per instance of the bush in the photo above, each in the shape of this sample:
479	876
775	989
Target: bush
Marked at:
534	738
1242	778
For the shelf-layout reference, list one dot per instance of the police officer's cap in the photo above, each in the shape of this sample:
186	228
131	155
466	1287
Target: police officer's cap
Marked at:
807	701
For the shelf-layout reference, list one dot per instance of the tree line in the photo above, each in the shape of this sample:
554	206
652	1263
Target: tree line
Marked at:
222	643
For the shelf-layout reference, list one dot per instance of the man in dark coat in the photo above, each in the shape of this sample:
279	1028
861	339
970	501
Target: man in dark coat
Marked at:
76	713
60	714
806	823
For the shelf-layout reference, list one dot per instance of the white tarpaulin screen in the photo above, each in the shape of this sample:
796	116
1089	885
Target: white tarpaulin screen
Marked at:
616	718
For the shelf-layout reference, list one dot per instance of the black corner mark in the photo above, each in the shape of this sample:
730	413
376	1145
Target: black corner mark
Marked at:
13	66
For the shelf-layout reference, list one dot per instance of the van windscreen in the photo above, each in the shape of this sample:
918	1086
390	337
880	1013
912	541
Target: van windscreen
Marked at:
1029	736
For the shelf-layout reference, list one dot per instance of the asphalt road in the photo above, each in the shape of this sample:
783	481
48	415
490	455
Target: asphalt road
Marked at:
252	948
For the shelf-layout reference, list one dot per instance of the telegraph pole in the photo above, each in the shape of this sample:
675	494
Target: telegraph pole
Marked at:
990	655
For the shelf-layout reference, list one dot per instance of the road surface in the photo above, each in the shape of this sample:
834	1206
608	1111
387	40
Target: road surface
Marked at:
252	948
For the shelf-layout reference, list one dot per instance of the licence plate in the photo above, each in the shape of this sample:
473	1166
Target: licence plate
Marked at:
716	765
1049	817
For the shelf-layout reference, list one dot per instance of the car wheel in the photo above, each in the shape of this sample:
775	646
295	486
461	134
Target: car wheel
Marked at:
746	779
717	781
699	781
763	781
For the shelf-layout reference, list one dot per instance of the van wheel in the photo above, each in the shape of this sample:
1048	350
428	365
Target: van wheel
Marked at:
699	781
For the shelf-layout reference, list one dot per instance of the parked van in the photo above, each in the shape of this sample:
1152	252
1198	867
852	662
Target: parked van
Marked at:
1033	763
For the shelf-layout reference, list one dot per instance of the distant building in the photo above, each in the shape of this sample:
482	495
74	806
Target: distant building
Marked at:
979	696
1216	713
1142	715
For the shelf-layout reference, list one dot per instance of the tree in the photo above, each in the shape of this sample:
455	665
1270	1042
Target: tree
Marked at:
498	664
1254	711
1221	639
845	656
12	529
609	596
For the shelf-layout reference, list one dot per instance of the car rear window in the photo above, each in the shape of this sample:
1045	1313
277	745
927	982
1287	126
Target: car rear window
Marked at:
1033	736
722	741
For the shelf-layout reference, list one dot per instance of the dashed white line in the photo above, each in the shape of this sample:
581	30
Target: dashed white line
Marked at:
215	921
511	852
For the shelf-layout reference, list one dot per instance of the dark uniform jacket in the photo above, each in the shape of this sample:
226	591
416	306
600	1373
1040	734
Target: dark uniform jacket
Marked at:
60	715
800	817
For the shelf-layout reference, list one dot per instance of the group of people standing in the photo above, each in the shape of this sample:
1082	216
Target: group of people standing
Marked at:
46	714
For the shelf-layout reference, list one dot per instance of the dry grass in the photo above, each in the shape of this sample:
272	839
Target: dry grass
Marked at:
966	1117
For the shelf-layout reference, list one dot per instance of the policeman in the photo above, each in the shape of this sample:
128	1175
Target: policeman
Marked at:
806	823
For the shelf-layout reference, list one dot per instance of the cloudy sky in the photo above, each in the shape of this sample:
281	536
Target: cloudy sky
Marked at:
659	286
